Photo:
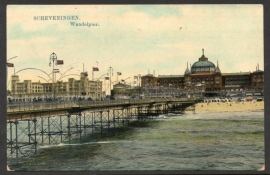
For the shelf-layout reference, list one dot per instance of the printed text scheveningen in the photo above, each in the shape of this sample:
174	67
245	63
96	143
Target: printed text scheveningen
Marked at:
69	17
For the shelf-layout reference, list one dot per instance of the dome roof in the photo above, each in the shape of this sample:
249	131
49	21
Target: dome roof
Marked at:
203	64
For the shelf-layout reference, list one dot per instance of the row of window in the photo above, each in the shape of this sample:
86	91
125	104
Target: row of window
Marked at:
200	80
172	83
165	81
237	82
247	81
202	69
258	76
237	78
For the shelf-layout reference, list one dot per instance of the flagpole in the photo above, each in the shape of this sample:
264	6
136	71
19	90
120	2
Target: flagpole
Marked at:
53	80
110	71
7	70
53	58
92	73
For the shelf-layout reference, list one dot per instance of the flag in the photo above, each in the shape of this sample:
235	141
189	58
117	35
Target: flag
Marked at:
119	73
59	62
95	69
10	65
135	77
107	78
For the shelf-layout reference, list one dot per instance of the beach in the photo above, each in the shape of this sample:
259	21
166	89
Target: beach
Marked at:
229	106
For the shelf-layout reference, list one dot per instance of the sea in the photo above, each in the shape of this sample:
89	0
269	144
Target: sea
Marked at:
189	141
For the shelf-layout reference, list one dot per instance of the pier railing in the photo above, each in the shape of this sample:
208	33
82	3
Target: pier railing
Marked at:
58	105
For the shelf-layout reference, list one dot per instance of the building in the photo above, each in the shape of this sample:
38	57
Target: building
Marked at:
84	86
257	79
73	87
148	80
119	90
232	81
176	81
205	75
124	91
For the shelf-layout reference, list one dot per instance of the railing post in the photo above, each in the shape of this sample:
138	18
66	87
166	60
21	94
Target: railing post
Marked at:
69	133
16	136
35	138
101	127
49	134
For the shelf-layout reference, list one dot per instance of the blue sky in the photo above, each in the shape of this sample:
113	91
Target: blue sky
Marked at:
135	38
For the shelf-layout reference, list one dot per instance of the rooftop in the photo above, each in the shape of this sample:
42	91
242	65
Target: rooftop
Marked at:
170	76
148	75
134	87
257	71
236	73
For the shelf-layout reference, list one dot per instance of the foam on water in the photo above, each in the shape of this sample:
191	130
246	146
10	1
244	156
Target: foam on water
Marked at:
79	144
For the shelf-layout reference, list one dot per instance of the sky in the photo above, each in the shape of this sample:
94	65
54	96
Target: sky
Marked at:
133	39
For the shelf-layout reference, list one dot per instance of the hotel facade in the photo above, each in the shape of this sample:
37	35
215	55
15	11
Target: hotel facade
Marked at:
205	74
72	87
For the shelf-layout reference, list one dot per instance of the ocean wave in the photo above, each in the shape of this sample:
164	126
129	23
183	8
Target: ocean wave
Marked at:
79	144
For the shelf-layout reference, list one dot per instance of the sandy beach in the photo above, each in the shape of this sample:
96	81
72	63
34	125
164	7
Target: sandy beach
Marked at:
229	106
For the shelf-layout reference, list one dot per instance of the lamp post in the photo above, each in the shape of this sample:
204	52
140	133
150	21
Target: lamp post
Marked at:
53	58
110	72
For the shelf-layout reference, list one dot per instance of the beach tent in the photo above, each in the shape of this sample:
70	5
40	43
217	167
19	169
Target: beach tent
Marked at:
249	98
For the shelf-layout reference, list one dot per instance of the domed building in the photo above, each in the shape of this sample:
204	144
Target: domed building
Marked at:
203	74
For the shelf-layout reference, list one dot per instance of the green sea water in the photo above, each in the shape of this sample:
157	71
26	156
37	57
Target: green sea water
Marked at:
206	141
